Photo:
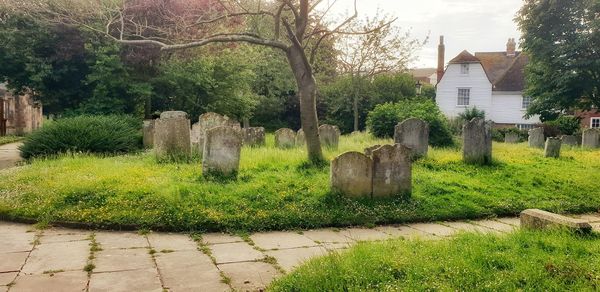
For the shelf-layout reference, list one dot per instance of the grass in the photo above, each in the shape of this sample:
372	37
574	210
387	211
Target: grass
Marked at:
277	190
10	139
522	261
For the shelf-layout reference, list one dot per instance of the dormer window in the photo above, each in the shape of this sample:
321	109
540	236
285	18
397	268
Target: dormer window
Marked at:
464	69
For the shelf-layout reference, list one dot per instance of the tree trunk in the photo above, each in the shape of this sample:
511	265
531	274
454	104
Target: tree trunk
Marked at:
355	109
307	89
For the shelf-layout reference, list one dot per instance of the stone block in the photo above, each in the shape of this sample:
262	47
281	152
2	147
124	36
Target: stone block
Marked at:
477	141
536	138
552	148
414	134
148	132
392	171
222	148
285	138
539	219
329	136
352	175
591	139
254	136
172	135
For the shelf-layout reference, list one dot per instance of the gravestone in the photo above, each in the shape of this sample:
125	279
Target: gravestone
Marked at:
206	122
285	138
591	139
392	171
369	151
477	141
254	136
329	135
148	132
352	175
536	138
511	138
172	135
552	148
569	140
221	152
300	138
414	134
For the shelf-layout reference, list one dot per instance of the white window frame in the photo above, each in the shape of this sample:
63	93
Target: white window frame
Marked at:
597	120
525	126
464	69
523	102
467	97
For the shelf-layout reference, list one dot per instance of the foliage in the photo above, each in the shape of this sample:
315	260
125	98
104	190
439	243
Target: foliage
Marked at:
86	134
561	39
499	134
566	125
520	261
9	139
383	119
471	113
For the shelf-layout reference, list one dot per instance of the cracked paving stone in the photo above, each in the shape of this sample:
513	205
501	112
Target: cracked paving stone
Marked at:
291	258
109	260
189	271
68	256
281	240
249	276
124	281
73	281
235	252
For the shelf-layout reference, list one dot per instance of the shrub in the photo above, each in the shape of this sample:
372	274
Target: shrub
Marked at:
566	125
499	134
471	113
382	120
88	134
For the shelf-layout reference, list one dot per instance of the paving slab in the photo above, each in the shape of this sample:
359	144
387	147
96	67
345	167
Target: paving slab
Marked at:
110	260
16	242
514	221
9	227
405	232
281	240
125	281
7	278
64	235
218	238
110	240
496	225
331	246
364	234
189	271
468	227
171	241
74	281
67	256
12	262
592	218
288	259
249	276
327	235
595	227
235	252
434	229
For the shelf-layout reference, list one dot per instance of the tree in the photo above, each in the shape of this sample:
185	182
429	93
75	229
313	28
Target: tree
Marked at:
562	41
296	27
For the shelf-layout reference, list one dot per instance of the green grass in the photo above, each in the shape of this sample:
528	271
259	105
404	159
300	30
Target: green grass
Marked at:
276	190
10	139
522	261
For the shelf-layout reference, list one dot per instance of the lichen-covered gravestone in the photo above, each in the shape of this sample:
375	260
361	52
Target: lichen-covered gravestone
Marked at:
369	150
352	175
569	140
221	153
477	141
392	171
591	139
329	135
172	135
536	138
254	136
300	138
414	134
552	148
285	138
511	138
206	122
148	132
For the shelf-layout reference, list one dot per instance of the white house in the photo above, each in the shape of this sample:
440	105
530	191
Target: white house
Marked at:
490	81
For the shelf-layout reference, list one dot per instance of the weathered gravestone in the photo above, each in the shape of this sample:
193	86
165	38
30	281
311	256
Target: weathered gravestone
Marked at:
352	175
591	138
414	134
392	171
511	138
300	138
539	219
221	153
569	140
552	148
172	135
536	138
285	138
477	141
206	122
369	150
148	132
329	135
254	136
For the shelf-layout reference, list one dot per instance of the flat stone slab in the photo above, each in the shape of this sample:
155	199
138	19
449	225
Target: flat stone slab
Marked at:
405	232
433	228
110	240
218	238
110	260
189	271
64	235
468	227
281	240
514	221
327	236
249	276
288	259
364	234
7	278
235	252
496	225
75	281
12	262
539	219
592	218
171	241
16	242
67	256
125	281
9	228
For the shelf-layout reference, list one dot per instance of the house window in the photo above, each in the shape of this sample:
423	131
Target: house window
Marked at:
464	96
595	123
525	126
464	69
526	102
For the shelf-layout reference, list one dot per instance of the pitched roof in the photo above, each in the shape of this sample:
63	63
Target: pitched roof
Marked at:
422	72
464	57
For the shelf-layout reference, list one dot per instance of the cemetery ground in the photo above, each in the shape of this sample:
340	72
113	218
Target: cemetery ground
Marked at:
276	190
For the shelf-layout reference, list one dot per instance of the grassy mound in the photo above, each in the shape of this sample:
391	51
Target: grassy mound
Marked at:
276	190
523	261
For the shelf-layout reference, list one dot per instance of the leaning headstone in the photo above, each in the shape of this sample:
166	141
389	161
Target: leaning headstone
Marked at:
206	122
369	151
477	141
552	148
352	175
300	138
285	138
221	153
511	138
254	136
591	138
413	133
172	135
148	133
569	140
392	171
538	219
329	135
536	138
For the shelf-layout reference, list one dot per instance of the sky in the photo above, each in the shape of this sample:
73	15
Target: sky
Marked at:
473	25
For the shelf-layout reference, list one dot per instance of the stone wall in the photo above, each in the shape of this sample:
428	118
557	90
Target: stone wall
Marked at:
19	115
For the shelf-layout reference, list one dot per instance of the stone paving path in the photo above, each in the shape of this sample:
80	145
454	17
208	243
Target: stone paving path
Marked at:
9	155
58	259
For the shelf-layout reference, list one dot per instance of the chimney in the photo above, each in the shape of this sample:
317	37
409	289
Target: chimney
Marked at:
441	61
511	48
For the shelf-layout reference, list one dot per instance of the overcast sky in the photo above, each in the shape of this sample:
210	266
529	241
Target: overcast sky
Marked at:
473	25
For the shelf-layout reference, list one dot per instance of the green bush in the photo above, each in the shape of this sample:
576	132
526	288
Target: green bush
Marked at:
382	120
499	134
88	134
471	113
566	125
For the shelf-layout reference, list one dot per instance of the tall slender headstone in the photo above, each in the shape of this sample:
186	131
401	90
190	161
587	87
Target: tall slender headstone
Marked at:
392	171
477	141
352	175
414	134
552	148
148	133
536	138
300	138
285	138
329	135
172	135
222	147
591	139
